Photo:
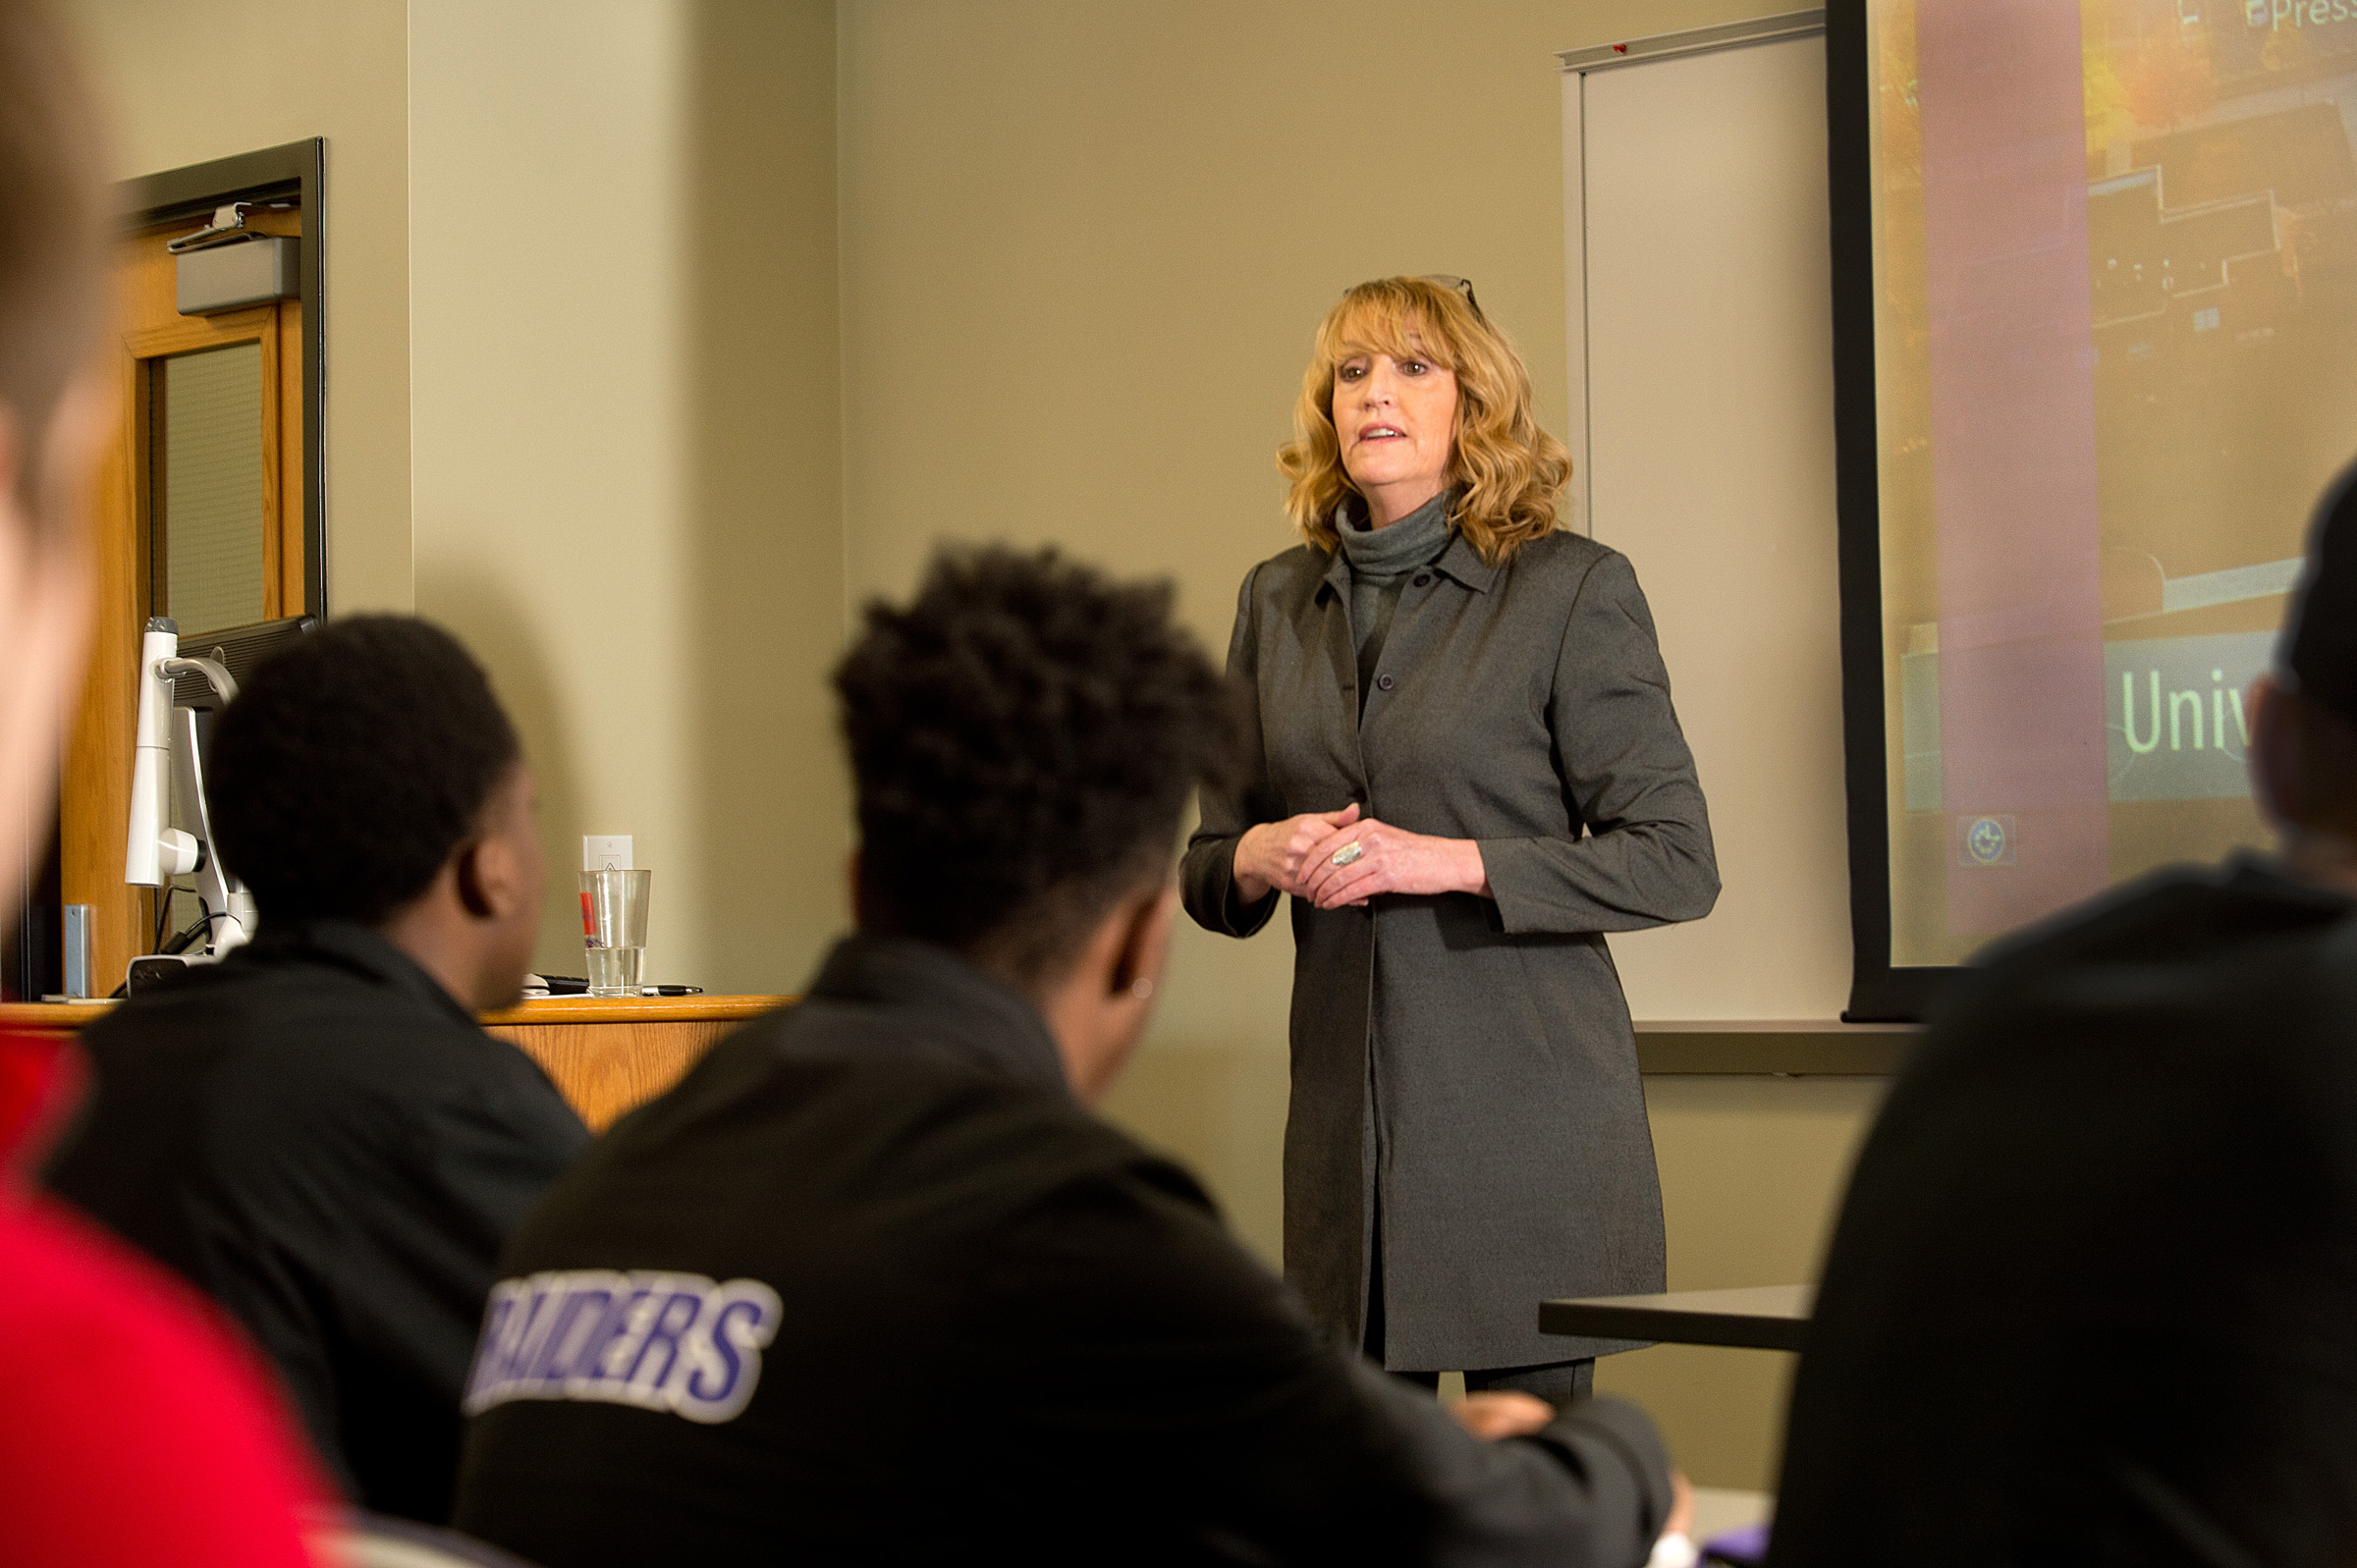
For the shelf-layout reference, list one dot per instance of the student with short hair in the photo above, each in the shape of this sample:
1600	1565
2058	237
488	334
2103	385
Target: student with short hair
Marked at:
872	1285
2093	1296
133	1428
315	1131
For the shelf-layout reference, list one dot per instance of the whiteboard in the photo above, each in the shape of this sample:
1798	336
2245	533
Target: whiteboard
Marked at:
1701	355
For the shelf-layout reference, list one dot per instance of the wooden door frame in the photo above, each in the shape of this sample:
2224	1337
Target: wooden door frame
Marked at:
296	169
97	763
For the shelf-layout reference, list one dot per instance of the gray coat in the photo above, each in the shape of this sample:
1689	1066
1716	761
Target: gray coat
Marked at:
1469	1060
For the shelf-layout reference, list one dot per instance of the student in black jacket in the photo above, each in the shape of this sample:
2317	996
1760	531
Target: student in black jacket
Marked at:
2093	1297
315	1131
873	1285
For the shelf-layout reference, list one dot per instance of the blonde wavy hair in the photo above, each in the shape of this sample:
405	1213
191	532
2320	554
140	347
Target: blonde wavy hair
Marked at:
1507	471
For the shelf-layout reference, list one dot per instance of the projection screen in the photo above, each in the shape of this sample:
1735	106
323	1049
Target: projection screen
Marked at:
2095	359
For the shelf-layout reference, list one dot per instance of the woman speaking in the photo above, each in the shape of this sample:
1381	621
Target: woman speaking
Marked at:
1467	770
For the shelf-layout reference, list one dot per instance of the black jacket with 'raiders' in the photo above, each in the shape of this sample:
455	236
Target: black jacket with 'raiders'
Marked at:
870	1287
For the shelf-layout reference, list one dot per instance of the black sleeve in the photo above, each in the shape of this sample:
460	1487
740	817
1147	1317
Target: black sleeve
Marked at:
419	1253
1207	876
426	1247
1143	1360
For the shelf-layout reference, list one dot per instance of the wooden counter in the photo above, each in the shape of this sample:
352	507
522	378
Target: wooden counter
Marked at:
49	1017
609	1055
606	1053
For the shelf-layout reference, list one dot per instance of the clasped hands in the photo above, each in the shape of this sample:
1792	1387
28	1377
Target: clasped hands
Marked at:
1337	858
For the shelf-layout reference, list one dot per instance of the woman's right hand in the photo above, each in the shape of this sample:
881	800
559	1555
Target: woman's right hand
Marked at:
1274	856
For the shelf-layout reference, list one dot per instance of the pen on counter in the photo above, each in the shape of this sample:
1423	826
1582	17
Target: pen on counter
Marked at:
576	986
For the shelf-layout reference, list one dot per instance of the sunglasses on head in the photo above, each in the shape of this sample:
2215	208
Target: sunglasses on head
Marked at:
1464	285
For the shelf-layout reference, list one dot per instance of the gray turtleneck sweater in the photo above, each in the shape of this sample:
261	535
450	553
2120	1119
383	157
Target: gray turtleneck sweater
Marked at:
1380	561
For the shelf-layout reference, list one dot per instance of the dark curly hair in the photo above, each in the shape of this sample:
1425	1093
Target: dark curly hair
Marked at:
1024	737
352	764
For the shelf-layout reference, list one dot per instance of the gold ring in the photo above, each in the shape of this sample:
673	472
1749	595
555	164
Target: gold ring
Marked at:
1349	852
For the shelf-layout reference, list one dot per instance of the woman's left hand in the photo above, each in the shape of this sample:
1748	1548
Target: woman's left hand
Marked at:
1390	859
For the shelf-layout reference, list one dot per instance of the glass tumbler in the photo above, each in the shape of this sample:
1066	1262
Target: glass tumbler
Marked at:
614	928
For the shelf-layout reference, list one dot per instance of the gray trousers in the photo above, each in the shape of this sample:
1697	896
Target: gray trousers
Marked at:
1562	1383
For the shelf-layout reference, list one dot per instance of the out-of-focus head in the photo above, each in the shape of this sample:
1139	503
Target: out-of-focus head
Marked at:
53	274
1024	736
2305	762
355	763
56	406
1509	470
2318	650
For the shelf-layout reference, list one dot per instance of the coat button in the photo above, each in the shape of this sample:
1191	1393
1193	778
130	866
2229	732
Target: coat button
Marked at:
1383	683
1421	578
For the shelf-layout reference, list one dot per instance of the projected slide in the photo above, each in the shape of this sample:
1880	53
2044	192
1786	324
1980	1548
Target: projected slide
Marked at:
2115	362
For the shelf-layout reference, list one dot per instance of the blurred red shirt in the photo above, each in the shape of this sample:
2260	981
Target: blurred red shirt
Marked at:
135	1429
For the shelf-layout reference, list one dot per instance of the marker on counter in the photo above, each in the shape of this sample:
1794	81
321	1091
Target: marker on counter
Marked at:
601	851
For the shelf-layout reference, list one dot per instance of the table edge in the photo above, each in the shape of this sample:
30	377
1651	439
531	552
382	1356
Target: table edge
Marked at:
1589	1321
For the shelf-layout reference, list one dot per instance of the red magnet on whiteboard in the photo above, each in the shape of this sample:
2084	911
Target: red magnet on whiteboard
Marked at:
1619	48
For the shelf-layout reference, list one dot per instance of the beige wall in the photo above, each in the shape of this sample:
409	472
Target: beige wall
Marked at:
548	251
625	436
190	82
1084	247
765	456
